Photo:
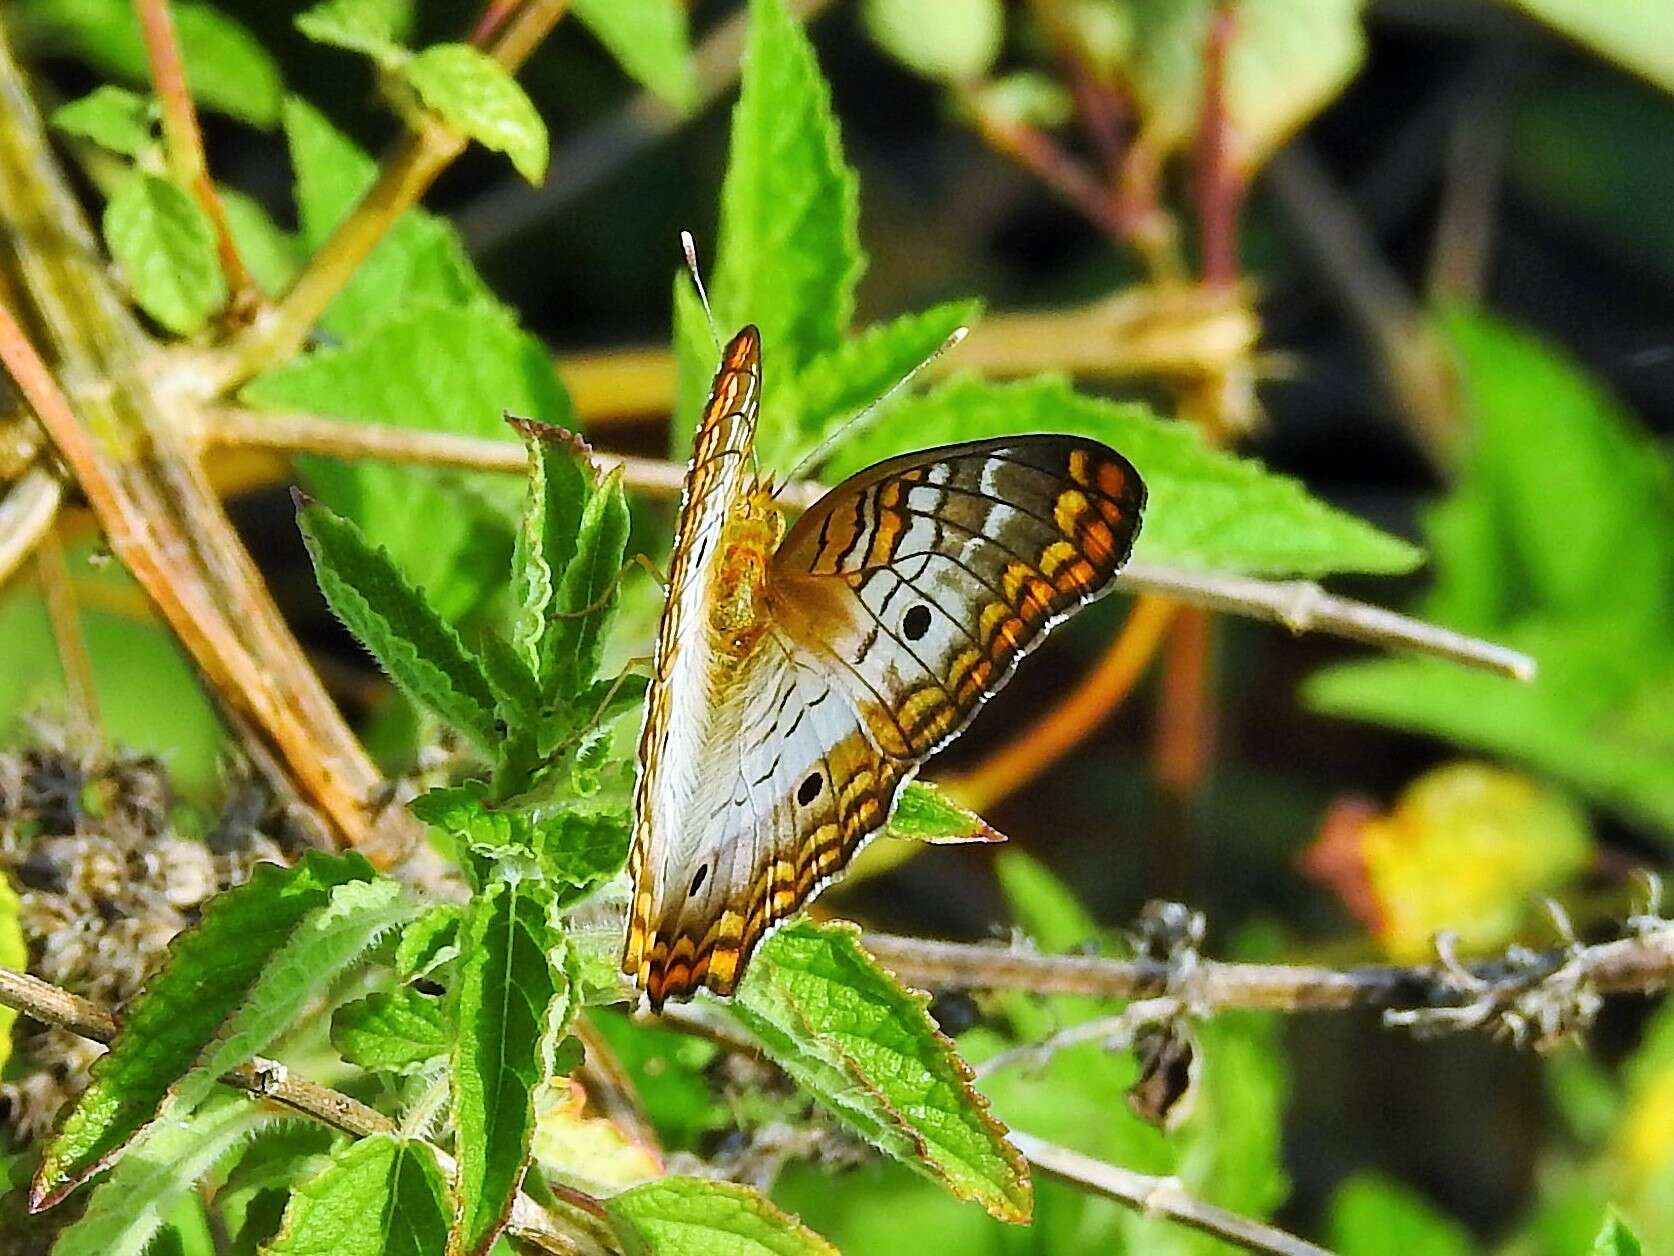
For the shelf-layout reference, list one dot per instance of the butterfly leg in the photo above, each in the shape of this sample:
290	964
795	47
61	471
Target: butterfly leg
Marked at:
652	570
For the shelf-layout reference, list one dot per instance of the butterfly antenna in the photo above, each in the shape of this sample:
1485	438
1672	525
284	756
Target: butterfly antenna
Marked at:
688	246
820	452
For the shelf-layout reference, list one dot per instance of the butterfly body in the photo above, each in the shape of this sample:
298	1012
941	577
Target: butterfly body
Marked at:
802	677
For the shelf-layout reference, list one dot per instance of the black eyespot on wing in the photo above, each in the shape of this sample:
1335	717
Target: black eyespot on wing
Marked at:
916	622
810	788
697	881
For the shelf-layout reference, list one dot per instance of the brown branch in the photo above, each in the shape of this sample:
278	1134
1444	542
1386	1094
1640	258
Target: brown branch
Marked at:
1050	162
1043	742
183	141
26	515
1159	1197
270	1080
405	175
1639	964
1300	605
1219	181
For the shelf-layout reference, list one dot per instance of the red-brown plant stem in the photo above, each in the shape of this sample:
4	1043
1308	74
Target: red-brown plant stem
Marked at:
1219	181
183	141
1051	163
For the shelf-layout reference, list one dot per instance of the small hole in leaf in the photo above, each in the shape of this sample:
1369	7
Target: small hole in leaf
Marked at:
697	881
810	789
916	622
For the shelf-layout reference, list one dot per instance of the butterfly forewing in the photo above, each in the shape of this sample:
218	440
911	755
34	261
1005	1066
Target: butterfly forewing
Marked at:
892	610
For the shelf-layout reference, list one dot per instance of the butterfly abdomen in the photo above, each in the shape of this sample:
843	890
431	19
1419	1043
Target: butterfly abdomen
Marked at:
740	613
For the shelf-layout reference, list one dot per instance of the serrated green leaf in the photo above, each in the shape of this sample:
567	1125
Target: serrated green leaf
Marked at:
1206	509
512	1002
429	941
476	95
587	593
517	693
1615	1239
560	483
1637	36
948	41
868	1051
268	253
211	969
682	1216
368	26
838	384
227	69
1285	61
789	252
323	944
923	813
392	1031
443	370
650	39
113	118
419	262
1374	1216
161	1169
380	1196
577	850
417	648
165	245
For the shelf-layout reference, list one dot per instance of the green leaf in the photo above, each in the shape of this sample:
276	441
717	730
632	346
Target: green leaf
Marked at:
165	245
14	953
650	39
512	1002
268	253
161	1169
380	1196
1206	509
1615	1239
1638	36
112	117
869	1053
576	850
923	813
1374	1216
321	946
429	942
560	483
211	970
441	370
1028	97
393	1031
682	1216
227	69
1598	715
420	650
477	95
587	593
1042	905
837	385
1287	60
1604	504
369	26
419	262
948	41
789	253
